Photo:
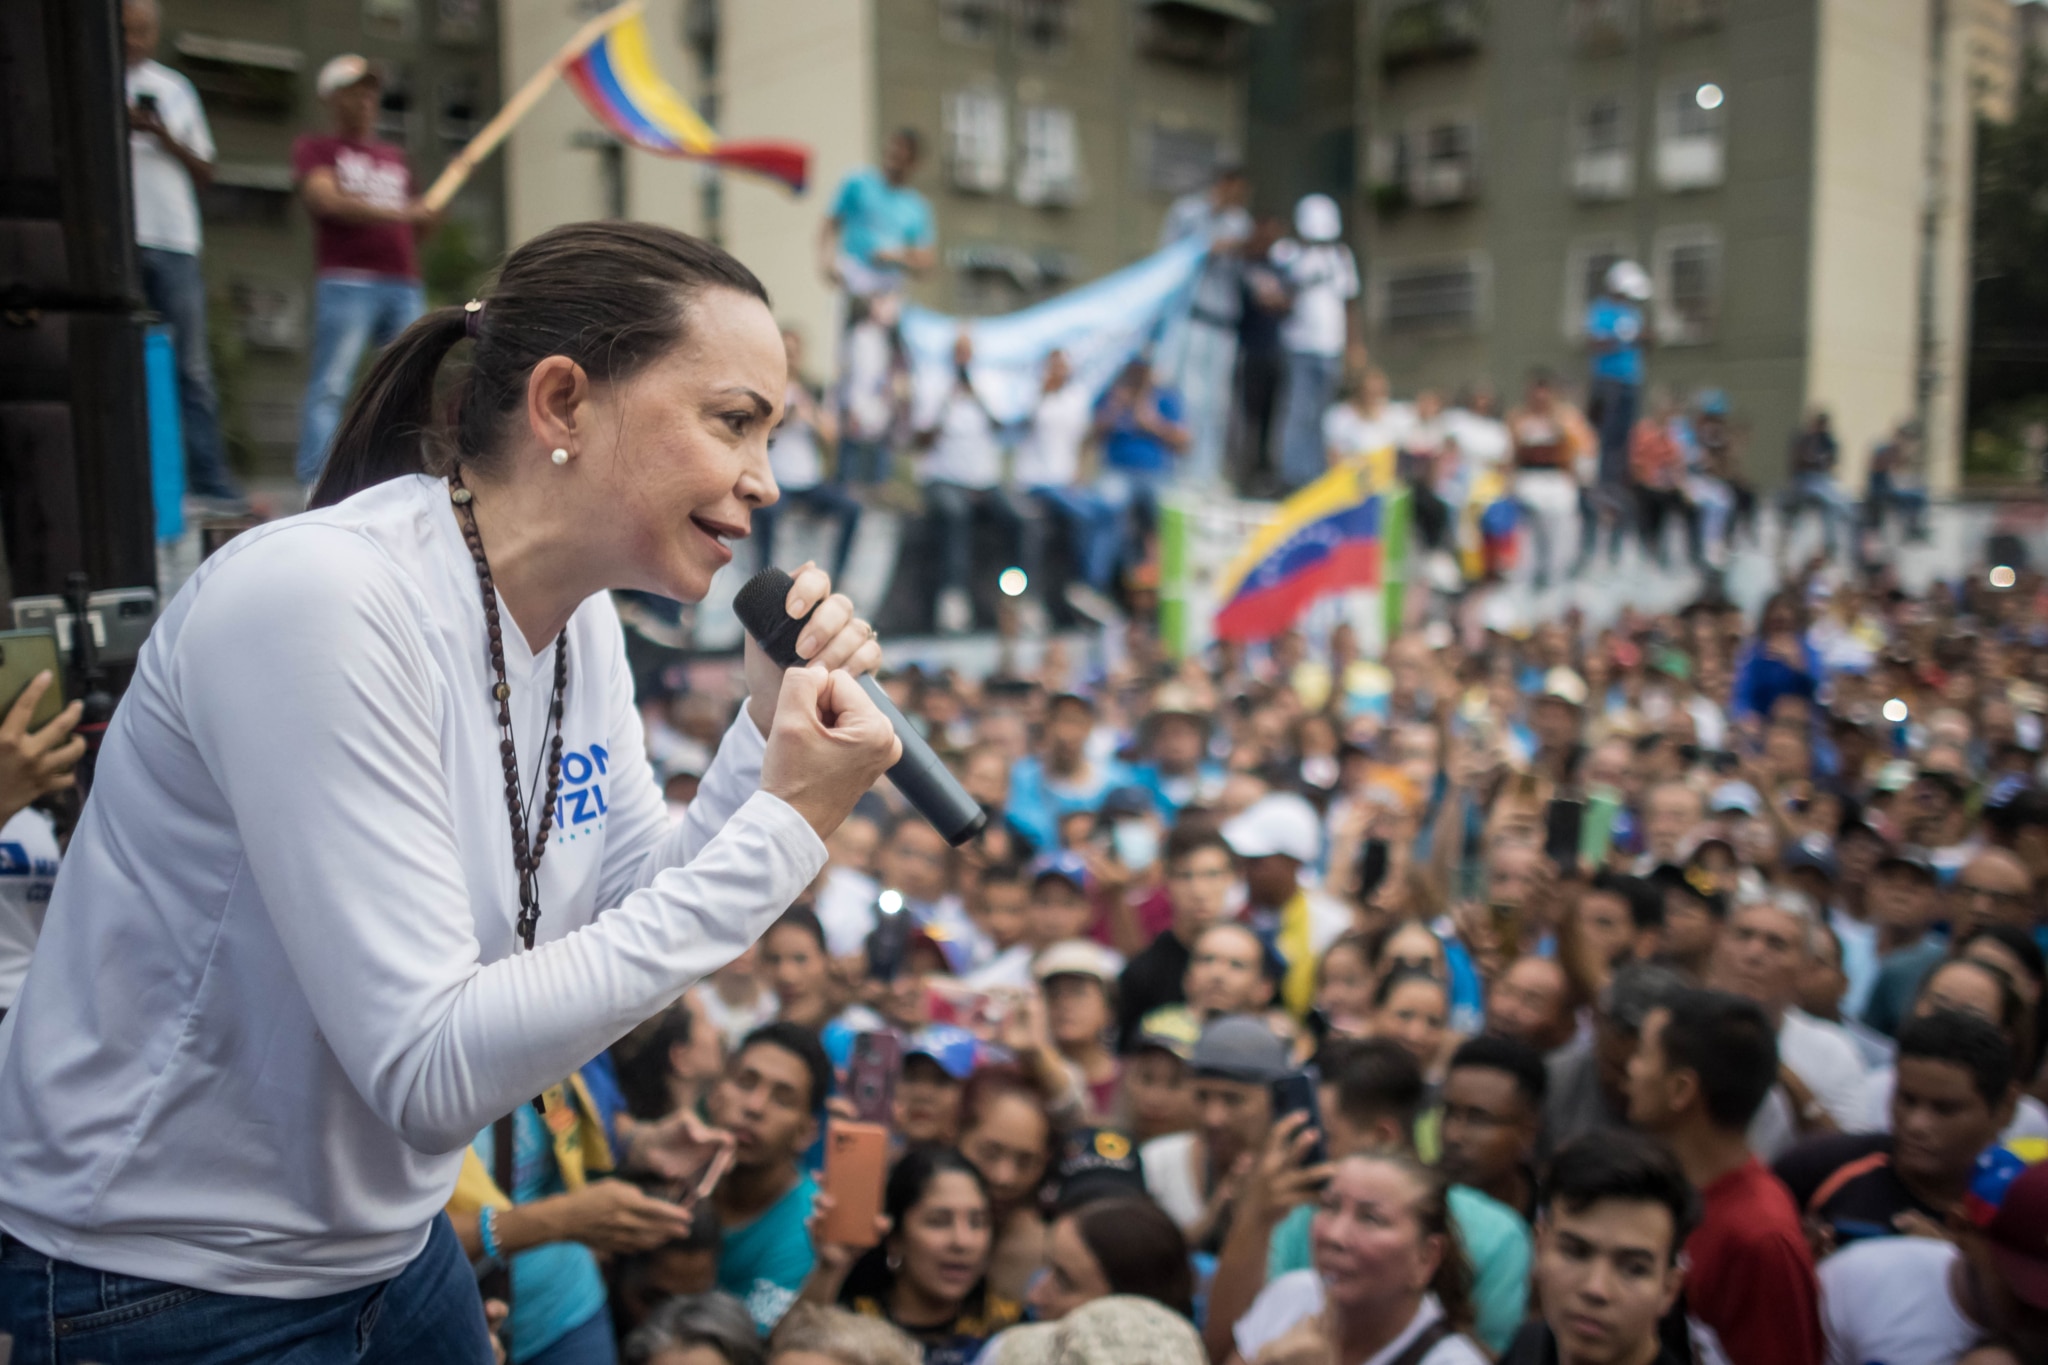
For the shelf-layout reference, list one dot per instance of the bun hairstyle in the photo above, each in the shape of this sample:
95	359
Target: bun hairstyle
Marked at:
611	296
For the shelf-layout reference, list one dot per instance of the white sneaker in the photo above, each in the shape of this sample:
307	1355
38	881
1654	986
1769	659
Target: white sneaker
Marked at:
955	612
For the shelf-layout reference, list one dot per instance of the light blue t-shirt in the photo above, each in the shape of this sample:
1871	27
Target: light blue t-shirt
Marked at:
765	1263
1612	320
555	1288
874	215
1038	801
1496	1241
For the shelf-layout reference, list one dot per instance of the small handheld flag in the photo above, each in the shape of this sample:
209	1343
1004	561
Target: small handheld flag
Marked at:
619	83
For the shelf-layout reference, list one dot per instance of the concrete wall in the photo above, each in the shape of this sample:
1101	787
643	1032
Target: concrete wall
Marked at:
804	70
554	174
1870	122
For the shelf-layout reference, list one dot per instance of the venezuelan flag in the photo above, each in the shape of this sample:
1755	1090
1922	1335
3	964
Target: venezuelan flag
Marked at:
620	85
1332	535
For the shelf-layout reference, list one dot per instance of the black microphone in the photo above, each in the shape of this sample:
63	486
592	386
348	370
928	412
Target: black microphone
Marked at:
925	782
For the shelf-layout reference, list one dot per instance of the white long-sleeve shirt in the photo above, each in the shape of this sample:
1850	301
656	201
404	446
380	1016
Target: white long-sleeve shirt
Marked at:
277	989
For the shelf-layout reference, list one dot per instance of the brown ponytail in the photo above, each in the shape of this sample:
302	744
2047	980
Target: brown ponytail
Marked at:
1452	1283
610	296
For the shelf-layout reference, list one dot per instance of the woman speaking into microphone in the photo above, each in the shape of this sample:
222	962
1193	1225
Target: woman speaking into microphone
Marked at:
374	854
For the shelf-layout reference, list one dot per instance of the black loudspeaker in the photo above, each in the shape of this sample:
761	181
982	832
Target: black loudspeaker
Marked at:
74	427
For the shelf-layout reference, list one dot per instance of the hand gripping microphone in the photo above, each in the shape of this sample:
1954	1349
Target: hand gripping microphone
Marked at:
925	782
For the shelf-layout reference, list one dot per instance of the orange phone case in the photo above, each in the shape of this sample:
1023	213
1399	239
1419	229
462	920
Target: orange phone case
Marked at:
856	1164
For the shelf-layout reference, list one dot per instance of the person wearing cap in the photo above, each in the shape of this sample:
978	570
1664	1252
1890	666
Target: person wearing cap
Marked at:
1320	274
1061	776
1905	1300
1275	838
1695	909
1200	357
1158	1095
1078	978
1194	1175
1558	719
170	155
366	226
1615	336
1173	748
1904	899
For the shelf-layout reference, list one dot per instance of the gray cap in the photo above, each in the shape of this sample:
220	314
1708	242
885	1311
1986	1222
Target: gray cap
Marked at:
1637	989
1238	1047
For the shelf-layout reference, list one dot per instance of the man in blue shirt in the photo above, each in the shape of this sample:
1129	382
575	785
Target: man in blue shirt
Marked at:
1142	430
1615	335
879	230
769	1099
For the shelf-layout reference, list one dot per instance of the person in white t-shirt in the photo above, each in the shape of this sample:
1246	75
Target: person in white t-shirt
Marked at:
1322	277
1893	1299
170	152
1047	475
304	945
962	474
1367	425
796	454
33	764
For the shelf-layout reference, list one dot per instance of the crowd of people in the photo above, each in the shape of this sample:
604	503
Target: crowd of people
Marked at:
1666	992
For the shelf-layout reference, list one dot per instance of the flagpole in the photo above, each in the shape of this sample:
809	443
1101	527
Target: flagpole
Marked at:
491	134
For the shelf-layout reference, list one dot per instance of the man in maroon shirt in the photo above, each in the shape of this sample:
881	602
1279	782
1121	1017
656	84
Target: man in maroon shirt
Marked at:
1699	1074
366	223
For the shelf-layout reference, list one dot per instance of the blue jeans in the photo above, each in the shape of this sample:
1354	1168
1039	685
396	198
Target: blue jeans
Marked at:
1091	533
825	500
174	287
350	313
591	1343
952	509
1311	380
61	1313
1130	505
1820	492
1207	387
863	462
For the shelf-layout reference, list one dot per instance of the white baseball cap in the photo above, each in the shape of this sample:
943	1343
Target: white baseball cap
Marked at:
1629	280
1280	824
1318	219
342	72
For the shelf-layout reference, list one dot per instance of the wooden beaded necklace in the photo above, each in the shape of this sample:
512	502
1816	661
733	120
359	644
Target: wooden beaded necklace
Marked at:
526	855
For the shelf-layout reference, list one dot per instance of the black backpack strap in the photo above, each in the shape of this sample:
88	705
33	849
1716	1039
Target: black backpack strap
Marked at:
1425	1342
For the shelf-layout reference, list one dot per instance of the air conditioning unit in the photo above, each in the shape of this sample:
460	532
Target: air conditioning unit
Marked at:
1445	182
1690	163
1603	175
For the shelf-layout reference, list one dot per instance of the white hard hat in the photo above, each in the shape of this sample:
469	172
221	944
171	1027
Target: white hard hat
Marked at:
1318	219
1629	280
342	72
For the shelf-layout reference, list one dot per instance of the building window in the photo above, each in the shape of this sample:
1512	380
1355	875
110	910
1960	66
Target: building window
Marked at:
1049	166
971	21
1181	159
1691	135
977	143
459	23
1678	17
1687	276
1441	298
1423	31
1603	162
394	110
1044	25
1585	275
390	19
1599	27
458	111
1203	33
1443	162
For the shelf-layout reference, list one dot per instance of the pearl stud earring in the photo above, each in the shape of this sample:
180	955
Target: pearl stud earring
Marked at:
560	456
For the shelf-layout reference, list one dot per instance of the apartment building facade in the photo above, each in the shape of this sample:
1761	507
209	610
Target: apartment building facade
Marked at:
1056	132
254	63
1795	175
